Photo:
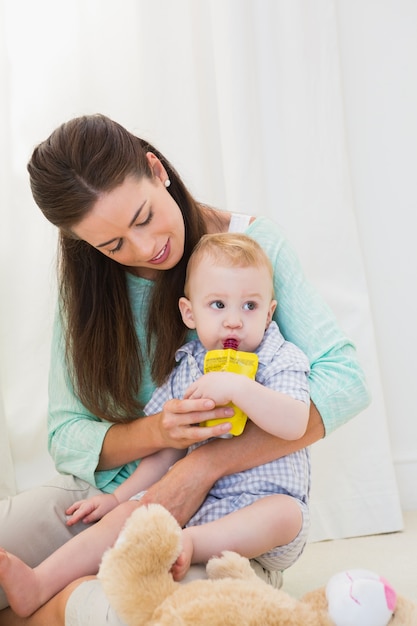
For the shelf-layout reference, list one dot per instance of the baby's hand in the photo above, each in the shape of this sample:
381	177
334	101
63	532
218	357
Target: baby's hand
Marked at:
183	562
220	387
91	510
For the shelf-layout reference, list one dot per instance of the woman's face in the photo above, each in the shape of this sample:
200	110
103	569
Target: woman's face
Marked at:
138	224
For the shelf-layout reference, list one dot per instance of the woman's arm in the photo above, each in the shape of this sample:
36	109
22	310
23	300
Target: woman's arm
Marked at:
183	489
174	427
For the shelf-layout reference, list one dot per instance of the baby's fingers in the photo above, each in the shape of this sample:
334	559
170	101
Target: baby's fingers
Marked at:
91	517
76	517
79	512
74	507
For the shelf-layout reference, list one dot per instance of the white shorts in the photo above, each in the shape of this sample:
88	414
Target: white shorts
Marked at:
88	604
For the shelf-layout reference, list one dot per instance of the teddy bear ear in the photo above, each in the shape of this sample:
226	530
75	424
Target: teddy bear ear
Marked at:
360	598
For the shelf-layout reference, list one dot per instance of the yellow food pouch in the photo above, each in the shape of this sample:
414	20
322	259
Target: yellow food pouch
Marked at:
230	360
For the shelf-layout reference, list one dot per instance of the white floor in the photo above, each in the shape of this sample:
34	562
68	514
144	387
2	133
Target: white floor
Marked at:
393	556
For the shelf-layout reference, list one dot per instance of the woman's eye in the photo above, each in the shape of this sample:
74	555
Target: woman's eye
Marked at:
217	304
117	248
147	220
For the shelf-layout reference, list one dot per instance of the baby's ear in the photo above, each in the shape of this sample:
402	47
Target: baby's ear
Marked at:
186	311
271	311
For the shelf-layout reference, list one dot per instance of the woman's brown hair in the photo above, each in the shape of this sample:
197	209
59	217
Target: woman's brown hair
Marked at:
82	159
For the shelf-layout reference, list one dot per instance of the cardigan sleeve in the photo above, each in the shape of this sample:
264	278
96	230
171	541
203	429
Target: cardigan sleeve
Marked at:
75	436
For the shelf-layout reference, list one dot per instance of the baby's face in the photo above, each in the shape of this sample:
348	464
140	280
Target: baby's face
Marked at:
229	303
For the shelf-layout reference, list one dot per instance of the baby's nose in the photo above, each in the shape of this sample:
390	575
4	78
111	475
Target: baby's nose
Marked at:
233	321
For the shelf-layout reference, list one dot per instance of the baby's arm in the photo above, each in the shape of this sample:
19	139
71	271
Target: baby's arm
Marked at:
149	471
275	412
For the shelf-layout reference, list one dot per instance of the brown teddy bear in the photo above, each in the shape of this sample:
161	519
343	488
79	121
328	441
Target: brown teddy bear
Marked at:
135	575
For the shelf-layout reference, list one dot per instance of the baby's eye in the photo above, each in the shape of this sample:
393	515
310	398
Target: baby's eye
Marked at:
217	304
249	306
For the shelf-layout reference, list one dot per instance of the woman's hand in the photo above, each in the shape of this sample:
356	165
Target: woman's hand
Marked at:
182	489
179	422
177	426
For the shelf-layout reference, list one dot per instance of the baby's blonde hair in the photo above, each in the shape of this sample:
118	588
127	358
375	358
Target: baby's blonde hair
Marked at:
231	250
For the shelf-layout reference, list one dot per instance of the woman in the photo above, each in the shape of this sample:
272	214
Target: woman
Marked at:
127	227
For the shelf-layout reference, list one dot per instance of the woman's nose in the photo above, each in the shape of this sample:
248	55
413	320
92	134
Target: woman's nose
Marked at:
143	247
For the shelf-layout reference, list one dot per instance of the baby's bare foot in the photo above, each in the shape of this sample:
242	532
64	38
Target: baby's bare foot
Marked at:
19	583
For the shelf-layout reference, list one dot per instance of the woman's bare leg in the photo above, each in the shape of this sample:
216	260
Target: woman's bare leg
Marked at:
52	613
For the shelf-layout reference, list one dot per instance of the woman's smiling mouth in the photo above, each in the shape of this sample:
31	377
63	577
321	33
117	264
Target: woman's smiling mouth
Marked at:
162	256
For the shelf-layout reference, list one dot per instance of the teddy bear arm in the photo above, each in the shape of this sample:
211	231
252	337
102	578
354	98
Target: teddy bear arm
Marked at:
230	565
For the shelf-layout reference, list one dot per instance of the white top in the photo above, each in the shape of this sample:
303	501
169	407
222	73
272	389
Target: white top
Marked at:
239	222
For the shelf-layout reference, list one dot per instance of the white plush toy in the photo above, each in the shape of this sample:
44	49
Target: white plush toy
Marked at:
360	598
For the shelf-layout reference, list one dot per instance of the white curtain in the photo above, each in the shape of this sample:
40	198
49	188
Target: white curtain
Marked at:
7	478
245	97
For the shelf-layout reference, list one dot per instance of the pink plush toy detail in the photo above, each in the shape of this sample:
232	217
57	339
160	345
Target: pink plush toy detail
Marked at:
360	598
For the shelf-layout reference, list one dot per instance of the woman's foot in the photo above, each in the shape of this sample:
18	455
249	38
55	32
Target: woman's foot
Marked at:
19	583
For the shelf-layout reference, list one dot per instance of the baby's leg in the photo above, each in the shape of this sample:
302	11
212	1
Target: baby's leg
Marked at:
27	589
269	522
40	512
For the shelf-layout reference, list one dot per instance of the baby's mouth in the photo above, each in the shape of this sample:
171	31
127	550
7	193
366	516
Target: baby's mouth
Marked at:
231	342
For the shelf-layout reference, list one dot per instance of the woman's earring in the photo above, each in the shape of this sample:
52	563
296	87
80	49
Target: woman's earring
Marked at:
167	183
